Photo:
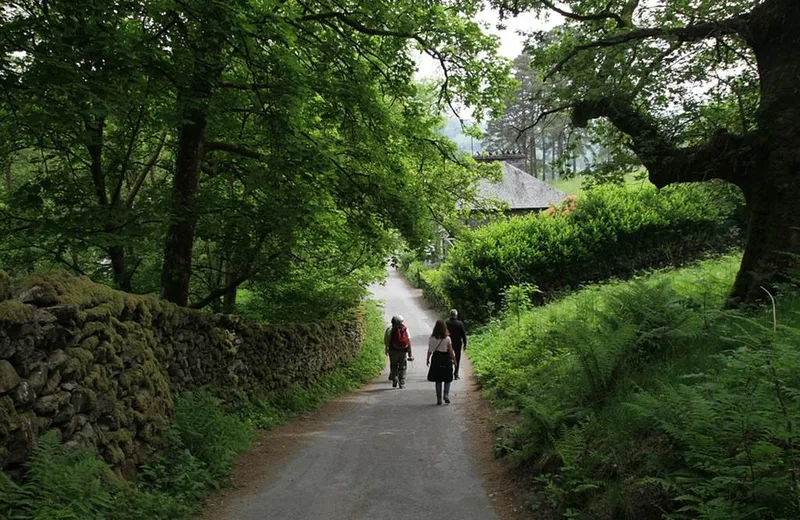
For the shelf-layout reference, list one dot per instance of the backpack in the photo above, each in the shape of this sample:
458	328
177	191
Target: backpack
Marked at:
400	337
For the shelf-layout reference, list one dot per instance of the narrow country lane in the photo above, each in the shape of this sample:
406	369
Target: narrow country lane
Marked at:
390	455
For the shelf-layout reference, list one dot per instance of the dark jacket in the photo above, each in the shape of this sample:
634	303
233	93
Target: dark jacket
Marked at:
458	334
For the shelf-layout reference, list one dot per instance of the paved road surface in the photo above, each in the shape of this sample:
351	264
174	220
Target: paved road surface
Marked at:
392	455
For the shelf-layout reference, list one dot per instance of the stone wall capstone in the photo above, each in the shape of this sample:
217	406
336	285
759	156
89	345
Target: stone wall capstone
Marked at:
103	367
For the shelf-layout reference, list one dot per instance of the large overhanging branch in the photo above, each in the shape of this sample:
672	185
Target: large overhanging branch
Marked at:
690	33
724	156
213	146
541	117
513	8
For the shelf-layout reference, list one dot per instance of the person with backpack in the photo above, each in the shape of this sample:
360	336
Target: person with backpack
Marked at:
398	346
458	335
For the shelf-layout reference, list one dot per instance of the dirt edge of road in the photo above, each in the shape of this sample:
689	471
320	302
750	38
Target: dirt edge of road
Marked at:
268	455
502	483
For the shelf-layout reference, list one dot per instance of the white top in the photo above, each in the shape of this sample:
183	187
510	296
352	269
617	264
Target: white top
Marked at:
438	344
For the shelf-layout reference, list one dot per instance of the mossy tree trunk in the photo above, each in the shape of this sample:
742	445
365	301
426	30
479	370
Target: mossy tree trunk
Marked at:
764	163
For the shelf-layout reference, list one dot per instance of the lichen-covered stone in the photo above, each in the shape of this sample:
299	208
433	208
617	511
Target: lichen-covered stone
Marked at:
50	404
37	376
23	395
9	378
52	384
39	296
57	359
13	312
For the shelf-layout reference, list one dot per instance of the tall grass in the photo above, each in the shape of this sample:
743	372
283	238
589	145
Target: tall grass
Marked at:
645	400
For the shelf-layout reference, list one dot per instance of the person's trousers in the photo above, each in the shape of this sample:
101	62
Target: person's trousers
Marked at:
439	390
457	350
397	364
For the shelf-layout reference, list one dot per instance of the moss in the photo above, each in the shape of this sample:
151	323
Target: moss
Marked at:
15	313
5	286
82	357
114	454
8	418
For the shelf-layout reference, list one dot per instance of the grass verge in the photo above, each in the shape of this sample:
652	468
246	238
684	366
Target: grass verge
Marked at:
200	450
644	400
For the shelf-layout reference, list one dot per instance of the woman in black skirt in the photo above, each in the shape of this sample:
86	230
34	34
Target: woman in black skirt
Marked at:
440	360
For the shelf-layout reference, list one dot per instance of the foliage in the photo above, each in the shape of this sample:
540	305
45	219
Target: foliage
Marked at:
643	400
414	273
518	299
196	147
210	435
694	91
79	486
612	232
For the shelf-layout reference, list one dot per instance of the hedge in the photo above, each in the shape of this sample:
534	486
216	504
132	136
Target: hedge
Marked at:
611	233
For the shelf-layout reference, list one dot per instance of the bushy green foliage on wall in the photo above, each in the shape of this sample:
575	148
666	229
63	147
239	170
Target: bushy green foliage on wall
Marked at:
613	232
644	400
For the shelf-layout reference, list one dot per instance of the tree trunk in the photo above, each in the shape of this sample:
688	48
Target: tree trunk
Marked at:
9	179
229	300
773	236
534	164
773	194
177	267
121	278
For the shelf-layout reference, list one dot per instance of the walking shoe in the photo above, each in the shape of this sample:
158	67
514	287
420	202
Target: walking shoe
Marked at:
446	400
456	377
438	401
394	383
402	385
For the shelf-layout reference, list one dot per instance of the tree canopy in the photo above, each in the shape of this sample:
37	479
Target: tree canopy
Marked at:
188	147
694	90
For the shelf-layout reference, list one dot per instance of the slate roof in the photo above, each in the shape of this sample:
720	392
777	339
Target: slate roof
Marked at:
520	190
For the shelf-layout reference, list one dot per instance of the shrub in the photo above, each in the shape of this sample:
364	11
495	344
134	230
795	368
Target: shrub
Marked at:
414	273
644	400
79	486
612	232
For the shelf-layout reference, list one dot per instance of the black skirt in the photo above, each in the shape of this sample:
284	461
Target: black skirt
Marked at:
441	367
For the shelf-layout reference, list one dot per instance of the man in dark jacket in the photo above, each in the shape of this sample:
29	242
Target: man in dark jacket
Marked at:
458	335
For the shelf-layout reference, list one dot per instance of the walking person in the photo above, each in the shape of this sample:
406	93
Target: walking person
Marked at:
458	335
441	359
398	346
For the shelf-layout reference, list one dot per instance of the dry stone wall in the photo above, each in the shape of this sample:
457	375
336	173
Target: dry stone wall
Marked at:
102	367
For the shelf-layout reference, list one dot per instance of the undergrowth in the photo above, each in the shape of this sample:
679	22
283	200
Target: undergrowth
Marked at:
644	400
199	453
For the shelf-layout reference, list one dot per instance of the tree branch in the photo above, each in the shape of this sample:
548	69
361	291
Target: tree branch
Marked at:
232	148
222	291
539	119
690	33
724	156
151	162
358	26
243	86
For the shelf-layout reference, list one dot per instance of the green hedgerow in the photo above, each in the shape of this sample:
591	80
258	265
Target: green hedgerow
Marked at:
613	232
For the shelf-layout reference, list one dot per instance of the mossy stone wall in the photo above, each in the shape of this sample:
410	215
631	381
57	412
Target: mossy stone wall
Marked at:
102	367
